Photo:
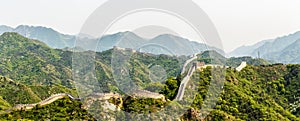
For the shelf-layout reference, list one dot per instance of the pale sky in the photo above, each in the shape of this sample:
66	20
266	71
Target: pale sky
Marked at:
239	22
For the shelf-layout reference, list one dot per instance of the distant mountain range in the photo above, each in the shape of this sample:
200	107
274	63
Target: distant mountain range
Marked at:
284	49
162	44
48	36
247	50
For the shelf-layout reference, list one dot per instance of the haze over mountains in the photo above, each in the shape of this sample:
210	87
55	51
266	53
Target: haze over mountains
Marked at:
247	50
48	36
284	49
162	44
280	50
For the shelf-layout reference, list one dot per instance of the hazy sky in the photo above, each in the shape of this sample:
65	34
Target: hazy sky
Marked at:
239	22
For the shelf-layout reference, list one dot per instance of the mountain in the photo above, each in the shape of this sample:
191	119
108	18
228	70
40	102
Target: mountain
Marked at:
174	45
247	50
48	36
281	50
30	71
4	28
120	39
277	45
255	93
289	54
292	52
162	44
33	62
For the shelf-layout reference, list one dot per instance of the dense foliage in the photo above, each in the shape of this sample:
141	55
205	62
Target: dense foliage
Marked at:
62	110
142	106
255	93
32	62
258	92
17	93
170	88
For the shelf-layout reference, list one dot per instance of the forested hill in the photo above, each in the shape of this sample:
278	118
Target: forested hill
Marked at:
34	63
30	71
258	93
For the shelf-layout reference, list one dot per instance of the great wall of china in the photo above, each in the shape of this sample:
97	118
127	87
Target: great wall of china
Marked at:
147	94
136	93
200	66
90	98
47	101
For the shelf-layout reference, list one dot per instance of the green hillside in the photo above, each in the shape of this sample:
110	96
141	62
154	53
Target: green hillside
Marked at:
31	72
32	62
16	93
255	93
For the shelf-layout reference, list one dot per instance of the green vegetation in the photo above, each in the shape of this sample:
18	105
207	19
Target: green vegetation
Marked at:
4	105
17	93
255	93
142	106
32	62
32	72
170	88
212	57
62	110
